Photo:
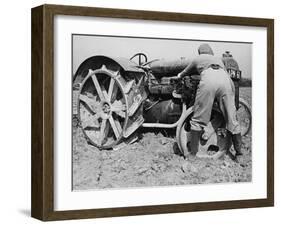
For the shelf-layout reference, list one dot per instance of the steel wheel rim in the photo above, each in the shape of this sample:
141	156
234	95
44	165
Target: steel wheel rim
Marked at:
104	110
248	120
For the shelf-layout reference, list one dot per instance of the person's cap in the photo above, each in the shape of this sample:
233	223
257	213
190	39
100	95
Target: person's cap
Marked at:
205	49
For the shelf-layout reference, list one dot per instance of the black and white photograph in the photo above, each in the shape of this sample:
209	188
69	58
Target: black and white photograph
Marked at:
152	112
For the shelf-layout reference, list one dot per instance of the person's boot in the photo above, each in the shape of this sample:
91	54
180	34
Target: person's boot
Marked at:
194	141
237	143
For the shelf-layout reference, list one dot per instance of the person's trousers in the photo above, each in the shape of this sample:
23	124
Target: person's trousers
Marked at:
215	85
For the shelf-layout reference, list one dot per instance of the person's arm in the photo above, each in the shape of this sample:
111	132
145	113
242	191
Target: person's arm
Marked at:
188	70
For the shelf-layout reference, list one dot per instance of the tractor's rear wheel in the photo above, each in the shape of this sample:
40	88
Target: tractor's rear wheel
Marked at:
102	108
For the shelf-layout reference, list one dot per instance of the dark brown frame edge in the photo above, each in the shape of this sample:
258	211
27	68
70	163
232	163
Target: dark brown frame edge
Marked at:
42	197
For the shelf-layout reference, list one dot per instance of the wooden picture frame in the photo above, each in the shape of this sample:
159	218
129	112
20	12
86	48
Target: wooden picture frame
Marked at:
42	203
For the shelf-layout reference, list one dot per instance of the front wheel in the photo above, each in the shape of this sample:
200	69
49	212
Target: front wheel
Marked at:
183	128
183	132
244	116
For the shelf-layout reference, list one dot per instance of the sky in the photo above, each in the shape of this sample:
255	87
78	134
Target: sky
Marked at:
85	46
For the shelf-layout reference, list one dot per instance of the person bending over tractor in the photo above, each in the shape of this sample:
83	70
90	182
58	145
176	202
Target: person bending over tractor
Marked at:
215	83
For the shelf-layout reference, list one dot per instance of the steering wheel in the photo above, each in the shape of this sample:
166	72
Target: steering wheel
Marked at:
140	56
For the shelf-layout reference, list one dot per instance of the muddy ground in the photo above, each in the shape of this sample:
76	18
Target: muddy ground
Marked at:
152	161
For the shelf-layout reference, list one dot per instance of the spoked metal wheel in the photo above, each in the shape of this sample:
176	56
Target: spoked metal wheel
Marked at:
183	137
102	108
183	128
244	117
